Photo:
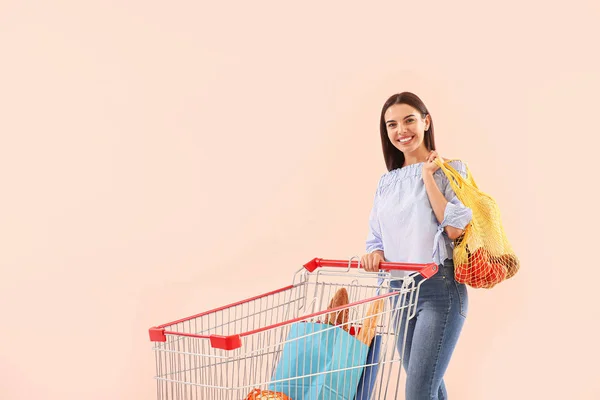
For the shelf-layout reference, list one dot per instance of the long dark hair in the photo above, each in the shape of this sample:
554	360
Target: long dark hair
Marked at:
394	158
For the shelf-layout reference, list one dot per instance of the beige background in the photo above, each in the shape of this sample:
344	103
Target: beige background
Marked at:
159	160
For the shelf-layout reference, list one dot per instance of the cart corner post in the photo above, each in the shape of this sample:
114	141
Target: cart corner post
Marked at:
157	334
226	342
313	264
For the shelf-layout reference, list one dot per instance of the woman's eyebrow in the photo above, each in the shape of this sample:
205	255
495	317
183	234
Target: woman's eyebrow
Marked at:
392	120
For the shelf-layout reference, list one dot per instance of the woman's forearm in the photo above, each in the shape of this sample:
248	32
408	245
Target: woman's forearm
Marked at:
436	198
438	203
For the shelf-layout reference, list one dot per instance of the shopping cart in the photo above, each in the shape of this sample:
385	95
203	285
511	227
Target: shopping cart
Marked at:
282	340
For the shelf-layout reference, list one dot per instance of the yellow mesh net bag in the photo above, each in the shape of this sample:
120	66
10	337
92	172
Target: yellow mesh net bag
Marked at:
483	256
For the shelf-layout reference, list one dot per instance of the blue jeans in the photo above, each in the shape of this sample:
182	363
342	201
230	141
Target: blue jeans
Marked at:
432	333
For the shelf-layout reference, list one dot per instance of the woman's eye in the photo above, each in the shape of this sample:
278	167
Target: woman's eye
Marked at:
392	126
410	120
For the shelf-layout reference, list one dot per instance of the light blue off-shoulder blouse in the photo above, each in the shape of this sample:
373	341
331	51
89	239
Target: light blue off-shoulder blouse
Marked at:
402	222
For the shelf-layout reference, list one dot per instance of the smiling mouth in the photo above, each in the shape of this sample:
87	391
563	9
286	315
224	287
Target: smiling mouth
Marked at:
405	140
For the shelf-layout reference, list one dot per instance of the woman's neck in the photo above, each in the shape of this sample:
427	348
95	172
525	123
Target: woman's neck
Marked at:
417	156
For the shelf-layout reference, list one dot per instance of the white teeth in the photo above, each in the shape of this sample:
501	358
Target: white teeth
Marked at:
405	140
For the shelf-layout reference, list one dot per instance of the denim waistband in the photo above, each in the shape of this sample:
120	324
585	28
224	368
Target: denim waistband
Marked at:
446	269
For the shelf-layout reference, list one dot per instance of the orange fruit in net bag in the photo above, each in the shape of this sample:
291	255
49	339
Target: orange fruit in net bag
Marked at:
510	262
258	394
494	273
481	270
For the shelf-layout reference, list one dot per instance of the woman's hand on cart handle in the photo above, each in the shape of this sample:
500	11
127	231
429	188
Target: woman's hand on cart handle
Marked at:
370	262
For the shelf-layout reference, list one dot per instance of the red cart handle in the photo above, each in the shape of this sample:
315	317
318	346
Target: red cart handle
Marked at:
426	270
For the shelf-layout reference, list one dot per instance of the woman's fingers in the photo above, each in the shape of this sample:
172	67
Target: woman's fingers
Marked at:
374	262
364	262
432	156
370	262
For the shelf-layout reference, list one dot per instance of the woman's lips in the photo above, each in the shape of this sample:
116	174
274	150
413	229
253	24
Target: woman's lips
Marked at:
405	140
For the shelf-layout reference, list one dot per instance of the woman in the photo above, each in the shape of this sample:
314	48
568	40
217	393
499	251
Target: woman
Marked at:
415	218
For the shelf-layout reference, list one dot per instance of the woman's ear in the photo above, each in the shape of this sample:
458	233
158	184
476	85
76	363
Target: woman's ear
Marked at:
427	122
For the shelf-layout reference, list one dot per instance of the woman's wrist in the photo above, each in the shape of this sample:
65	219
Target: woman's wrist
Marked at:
427	174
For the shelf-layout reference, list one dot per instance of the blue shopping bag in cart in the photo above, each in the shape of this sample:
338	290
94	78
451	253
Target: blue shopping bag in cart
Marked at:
319	361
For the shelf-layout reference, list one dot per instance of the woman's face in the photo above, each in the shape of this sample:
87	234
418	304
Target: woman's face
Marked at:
406	127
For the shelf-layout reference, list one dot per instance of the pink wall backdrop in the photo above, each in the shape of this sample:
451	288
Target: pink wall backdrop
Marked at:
158	159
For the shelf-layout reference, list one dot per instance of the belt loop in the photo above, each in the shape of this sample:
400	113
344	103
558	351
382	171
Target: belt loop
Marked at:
447	268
